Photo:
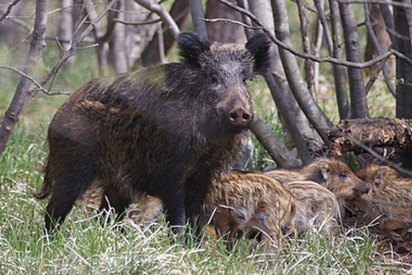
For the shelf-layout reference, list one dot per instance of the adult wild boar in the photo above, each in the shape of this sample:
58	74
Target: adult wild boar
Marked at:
166	131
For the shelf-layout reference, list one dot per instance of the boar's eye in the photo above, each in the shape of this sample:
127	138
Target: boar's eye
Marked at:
343	175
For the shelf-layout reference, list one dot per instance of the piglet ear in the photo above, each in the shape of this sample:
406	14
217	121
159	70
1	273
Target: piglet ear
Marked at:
325	169
191	47
380	174
259	46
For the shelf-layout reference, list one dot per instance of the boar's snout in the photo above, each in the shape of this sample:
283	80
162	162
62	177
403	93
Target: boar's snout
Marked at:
240	117
363	189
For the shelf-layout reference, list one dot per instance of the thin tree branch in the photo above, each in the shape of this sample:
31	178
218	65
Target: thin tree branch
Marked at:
379	157
226	20
358	65
23	74
9	8
80	36
137	23
162	13
384	2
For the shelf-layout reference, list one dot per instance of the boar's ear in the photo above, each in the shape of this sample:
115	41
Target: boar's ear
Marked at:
259	46
191	47
380	174
325	169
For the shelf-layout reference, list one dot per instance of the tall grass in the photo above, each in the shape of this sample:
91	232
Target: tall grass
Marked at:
83	245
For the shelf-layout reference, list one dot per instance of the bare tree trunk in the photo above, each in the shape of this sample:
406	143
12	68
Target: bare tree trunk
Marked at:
23	91
199	25
276	149
179	12
221	31
263	9
66	26
306	45
359	107
99	34
312	111
403	73
339	72
378	41
288	118
295	121
403	70
118	48
141	30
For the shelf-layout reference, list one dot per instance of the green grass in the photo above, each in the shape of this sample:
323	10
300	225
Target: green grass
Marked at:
84	246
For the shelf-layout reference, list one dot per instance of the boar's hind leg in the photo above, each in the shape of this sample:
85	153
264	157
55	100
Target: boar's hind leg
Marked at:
68	187
113	198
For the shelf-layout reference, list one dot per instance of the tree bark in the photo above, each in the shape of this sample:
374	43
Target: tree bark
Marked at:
118	47
103	47
221	31
375	132
359	107
339	72
8	30
150	56
23	91
403	70
198	16
275	148
307	48
66	25
312	111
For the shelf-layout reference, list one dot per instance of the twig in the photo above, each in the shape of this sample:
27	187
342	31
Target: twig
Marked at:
90	27
137	23
35	82
9	8
379	157
161	11
360	65
227	20
393	3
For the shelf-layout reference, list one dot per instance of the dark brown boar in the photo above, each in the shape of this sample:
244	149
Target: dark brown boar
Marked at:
166	131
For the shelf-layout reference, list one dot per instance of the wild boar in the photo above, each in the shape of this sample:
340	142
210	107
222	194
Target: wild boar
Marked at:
241	200
389	200
316	206
165	131
329	173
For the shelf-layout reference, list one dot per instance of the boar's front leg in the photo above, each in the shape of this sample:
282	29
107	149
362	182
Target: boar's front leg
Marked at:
114	198
174	204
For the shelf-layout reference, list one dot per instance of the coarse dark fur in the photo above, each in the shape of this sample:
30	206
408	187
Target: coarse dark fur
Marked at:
166	131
